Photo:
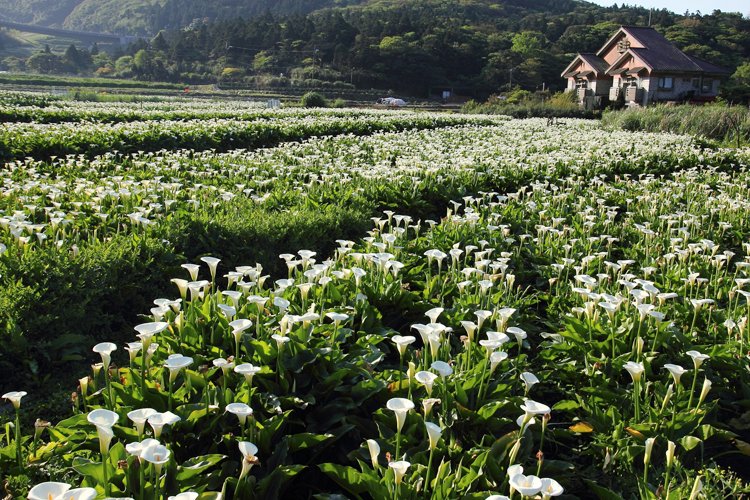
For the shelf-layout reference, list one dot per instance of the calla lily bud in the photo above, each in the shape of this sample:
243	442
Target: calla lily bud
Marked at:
704	391
181	286
697	488
427	404
670	453
39	427
649	448
151	351
639	343
433	433
667	397
514	451
374	449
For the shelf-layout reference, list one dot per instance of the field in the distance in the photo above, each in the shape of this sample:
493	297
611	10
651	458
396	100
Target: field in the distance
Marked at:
369	304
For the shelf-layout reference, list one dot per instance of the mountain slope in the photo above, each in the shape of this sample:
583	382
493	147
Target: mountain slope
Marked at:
44	12
131	17
147	16
150	16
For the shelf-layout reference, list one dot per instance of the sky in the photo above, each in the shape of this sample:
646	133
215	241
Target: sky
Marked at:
680	6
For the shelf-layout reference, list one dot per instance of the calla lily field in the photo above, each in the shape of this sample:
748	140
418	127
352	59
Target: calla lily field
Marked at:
368	304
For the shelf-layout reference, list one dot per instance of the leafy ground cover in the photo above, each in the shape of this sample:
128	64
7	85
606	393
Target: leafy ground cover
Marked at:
540	309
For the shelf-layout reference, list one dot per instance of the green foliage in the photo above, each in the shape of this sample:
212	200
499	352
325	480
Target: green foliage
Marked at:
314	100
718	122
737	89
523	104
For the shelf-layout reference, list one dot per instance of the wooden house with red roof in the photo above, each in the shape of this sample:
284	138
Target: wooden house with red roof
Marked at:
642	67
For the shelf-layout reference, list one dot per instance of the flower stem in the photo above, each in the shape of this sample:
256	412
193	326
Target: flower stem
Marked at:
169	401
142	478
429	470
541	447
400	371
143	375
398	442
19	453
104	473
156	483
481	380
110	403
692	388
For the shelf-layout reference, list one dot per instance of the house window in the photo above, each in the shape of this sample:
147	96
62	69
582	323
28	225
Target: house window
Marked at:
708	86
696	83
582	84
666	83
631	81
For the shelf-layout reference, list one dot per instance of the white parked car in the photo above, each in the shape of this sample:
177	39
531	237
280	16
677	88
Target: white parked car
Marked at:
392	102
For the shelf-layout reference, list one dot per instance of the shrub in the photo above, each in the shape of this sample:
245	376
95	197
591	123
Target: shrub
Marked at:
314	100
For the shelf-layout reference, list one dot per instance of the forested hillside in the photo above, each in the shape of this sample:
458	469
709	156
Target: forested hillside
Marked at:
474	47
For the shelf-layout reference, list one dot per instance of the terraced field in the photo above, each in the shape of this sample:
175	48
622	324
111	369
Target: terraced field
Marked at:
294	304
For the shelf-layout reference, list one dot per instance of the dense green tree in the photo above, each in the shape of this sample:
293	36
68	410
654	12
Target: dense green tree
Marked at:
44	62
529	44
737	89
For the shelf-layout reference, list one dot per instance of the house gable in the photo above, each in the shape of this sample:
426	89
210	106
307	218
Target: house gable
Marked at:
586	65
629	62
618	44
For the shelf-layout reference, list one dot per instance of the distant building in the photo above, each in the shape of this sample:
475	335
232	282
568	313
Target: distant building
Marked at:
641	67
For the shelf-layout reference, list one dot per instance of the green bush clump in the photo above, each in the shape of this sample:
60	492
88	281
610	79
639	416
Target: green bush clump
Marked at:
314	100
523	104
